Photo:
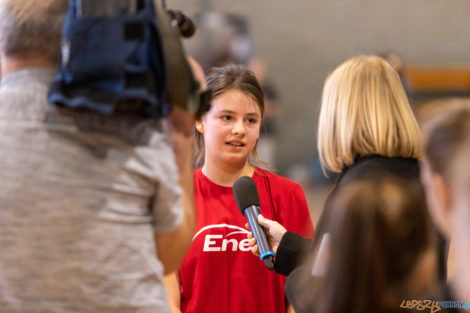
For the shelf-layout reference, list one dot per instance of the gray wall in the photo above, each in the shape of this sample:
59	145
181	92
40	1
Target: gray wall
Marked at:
303	40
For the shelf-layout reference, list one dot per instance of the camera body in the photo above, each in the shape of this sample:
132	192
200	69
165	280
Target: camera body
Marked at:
122	56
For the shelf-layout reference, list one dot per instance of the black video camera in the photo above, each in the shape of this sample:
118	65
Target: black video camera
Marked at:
124	56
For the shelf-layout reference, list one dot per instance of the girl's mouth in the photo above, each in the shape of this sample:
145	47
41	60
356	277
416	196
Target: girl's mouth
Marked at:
235	143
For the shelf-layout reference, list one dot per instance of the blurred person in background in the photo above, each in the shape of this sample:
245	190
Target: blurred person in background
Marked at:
380	251
219	274
91	205
267	142
426	113
446	176
398	64
223	39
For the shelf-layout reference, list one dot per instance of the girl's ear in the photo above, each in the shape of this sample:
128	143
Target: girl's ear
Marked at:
199	126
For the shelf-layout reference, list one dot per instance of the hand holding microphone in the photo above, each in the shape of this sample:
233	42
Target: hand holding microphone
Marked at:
247	199
274	230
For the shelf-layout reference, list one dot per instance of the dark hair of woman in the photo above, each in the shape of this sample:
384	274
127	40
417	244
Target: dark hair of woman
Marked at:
379	230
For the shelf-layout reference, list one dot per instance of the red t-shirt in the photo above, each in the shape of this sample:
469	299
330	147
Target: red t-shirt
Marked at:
219	273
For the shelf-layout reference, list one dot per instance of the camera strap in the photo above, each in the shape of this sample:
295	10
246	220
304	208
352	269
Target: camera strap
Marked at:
182	87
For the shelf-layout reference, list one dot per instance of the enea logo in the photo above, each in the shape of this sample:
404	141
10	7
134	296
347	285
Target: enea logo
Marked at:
217	242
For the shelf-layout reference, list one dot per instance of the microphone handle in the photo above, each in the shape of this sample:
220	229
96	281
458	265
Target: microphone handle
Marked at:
265	251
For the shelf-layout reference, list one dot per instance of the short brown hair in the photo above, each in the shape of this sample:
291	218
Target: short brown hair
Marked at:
32	27
445	135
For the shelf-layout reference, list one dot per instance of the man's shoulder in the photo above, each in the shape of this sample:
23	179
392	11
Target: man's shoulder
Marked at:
23	94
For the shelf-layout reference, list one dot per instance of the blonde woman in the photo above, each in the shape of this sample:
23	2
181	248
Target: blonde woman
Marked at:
366	129
365	112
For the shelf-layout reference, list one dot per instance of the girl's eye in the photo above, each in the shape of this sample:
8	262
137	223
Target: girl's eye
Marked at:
252	121
226	117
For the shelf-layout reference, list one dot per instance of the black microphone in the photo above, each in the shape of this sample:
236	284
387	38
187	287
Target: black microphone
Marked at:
247	199
184	23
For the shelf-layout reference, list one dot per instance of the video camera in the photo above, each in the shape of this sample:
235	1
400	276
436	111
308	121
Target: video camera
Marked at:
124	56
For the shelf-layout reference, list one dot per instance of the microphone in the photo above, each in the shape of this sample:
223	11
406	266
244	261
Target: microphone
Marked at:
247	199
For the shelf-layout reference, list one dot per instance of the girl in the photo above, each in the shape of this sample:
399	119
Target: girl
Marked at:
219	274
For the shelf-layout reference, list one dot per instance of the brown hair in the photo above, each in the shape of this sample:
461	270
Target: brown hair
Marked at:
444	136
378	228
220	80
426	112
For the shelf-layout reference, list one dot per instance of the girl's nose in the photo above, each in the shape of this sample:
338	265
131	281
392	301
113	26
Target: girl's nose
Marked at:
238	128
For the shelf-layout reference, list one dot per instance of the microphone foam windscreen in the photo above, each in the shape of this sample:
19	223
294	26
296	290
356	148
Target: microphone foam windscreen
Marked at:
245	193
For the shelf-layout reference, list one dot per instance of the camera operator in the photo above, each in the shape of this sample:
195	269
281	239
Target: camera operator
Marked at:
94	209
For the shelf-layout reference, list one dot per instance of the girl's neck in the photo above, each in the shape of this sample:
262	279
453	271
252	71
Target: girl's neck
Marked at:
226	175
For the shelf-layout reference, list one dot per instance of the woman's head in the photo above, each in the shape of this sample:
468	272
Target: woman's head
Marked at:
444	135
230	124
365	111
379	235
427	112
444	170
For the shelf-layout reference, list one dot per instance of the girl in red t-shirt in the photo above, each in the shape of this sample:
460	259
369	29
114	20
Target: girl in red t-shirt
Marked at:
219	273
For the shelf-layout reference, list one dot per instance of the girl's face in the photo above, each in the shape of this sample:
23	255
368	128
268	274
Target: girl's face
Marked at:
230	128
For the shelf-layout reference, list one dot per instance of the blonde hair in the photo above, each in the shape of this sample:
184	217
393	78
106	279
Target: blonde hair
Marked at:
365	111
